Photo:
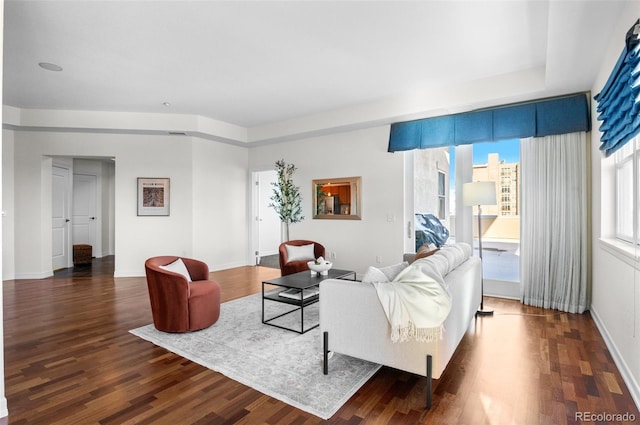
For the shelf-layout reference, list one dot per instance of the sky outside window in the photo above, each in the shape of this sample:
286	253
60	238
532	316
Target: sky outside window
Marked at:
509	151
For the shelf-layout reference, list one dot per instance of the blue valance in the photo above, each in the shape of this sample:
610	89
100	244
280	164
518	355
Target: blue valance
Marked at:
618	103
536	119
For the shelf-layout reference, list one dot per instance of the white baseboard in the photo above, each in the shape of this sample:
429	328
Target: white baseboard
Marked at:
626	373
212	268
129	273
41	275
4	411
503	289
232	265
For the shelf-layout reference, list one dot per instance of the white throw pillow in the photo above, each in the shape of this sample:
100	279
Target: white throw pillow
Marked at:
299	253
178	267
384	274
374	275
392	271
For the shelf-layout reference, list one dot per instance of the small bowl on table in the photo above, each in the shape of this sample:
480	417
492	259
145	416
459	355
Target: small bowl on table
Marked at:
322	268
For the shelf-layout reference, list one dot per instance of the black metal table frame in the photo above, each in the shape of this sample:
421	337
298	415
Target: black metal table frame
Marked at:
289	282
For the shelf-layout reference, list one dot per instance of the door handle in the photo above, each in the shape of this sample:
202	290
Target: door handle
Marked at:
66	220
92	218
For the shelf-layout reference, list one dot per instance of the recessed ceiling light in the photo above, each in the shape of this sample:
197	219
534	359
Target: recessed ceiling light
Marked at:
167	104
50	66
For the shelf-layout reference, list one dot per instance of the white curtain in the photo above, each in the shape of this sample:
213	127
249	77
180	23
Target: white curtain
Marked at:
553	240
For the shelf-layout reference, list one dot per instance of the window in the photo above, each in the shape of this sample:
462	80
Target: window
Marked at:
442	196
626	168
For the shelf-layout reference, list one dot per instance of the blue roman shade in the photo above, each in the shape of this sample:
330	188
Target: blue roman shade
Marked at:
618	103
535	119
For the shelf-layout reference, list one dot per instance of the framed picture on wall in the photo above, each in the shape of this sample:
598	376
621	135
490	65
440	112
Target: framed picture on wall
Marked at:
153	196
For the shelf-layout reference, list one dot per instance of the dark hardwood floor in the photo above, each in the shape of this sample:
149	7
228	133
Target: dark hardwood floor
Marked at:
69	359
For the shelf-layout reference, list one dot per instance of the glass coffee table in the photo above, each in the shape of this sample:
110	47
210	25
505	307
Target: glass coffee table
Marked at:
299	290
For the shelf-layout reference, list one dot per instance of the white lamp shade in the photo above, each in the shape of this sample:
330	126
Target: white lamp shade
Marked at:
479	193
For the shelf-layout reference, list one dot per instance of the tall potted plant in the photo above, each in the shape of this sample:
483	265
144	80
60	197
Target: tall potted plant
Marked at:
286	199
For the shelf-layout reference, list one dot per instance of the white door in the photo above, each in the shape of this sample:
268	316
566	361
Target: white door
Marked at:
84	209
267	221
60	218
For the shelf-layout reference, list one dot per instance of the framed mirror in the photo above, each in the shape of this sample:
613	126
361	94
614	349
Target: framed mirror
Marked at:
337	198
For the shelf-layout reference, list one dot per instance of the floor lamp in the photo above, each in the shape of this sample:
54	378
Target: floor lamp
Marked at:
480	193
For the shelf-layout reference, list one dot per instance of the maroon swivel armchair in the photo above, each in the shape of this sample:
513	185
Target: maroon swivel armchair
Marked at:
290	267
178	305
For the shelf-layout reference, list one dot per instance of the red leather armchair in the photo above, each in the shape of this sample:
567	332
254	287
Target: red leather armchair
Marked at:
290	267
178	305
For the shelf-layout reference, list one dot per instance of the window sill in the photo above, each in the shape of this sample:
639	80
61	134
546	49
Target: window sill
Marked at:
622	250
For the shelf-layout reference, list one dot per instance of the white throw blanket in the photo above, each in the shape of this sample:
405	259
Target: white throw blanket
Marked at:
415	304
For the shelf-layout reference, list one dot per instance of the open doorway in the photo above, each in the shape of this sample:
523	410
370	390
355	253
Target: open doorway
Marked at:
499	162
266	231
83	208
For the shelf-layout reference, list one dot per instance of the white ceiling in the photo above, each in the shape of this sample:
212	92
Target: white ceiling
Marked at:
261	63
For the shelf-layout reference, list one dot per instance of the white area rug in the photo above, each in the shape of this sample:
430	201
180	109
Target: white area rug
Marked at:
280	363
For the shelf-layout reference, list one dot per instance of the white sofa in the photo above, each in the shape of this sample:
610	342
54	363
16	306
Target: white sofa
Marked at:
353	322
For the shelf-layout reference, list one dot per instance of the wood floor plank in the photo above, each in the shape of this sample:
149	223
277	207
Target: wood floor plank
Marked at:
70	359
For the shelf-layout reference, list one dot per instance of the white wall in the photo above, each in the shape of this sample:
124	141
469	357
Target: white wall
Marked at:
220	210
3	399
616	275
210	199
8	214
363	153
192	166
